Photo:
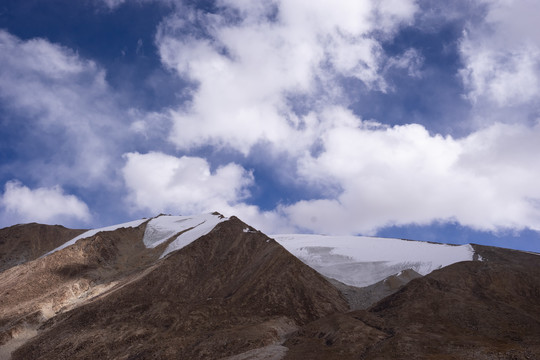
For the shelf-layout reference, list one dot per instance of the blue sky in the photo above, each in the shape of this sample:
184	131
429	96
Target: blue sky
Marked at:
402	118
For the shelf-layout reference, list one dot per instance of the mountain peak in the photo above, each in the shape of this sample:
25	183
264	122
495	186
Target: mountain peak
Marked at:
207	286
221	282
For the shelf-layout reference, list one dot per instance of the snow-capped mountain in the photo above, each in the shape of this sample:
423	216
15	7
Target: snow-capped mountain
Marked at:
211	287
353	260
159	229
362	261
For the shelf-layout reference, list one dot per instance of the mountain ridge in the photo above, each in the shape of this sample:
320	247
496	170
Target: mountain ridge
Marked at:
24	242
243	292
226	290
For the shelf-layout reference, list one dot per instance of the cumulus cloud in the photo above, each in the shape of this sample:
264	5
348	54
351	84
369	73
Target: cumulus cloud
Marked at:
46	205
158	182
250	59
270	80
185	185
66	98
502	76
404	175
500	54
249	66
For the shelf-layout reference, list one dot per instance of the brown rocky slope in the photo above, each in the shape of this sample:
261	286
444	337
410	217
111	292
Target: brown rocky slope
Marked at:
237	294
226	293
25	242
40	289
469	310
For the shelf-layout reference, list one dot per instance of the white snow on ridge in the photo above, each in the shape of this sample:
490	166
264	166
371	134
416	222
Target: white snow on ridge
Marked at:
362	261
200	225
93	232
162	228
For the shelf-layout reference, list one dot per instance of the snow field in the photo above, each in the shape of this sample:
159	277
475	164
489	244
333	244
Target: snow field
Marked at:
362	261
354	260
161	228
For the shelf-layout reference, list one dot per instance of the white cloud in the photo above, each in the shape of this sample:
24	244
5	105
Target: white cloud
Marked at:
270	74
246	69
374	175
69	110
501	54
392	13
158	182
411	60
402	174
184	185
503	76
112	4
46	205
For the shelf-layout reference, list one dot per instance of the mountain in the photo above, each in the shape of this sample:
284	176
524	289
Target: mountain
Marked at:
225	292
469	310
210	287
361	298
362	261
21	243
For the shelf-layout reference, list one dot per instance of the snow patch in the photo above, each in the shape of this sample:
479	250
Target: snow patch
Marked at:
192	228
93	232
160	229
362	261
163	227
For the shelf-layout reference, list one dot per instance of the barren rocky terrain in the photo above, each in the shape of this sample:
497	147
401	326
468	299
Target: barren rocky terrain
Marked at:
237	294
21	243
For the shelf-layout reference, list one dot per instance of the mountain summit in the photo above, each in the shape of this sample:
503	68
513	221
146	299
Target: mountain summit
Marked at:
211	287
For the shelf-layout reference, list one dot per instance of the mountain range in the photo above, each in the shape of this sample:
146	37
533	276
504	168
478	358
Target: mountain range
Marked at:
211	287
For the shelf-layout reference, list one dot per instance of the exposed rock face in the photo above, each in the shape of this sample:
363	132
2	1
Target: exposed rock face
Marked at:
468	310
236	294
226	293
25	242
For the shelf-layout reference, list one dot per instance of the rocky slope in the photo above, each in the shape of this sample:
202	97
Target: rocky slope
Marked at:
211	288
228	292
21	243
468	310
361	298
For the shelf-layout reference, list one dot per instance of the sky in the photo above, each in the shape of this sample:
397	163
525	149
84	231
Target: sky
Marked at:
415	119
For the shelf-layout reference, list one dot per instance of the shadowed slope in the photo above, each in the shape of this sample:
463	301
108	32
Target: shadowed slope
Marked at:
26	242
364	297
226	293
